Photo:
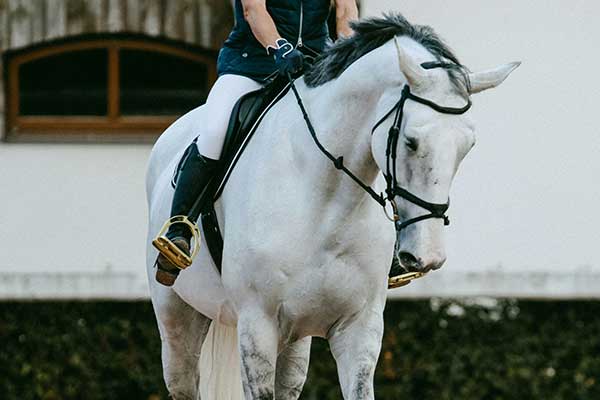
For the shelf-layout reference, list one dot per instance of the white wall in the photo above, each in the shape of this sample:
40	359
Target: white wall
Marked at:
67	207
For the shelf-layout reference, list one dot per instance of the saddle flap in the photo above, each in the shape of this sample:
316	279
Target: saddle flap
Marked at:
245	112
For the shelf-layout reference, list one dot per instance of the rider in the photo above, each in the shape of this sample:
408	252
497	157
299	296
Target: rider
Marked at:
269	36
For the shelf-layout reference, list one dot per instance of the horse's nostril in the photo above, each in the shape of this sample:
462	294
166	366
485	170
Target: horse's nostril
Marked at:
410	262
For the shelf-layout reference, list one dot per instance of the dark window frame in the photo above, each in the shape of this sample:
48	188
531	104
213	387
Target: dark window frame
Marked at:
113	125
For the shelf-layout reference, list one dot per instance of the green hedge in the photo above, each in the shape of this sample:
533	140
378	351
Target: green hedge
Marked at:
432	350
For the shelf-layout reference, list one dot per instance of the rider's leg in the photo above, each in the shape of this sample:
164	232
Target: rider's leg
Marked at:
201	160
200	163
219	104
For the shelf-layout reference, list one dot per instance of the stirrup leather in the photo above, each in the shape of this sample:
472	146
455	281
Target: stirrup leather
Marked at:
173	253
403	279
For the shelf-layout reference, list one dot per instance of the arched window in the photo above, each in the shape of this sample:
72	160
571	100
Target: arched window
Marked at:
113	85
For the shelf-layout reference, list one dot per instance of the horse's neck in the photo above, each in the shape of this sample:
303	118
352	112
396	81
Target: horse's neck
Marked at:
343	112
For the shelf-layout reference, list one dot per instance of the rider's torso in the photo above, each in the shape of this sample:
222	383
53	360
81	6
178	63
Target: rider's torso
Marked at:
302	22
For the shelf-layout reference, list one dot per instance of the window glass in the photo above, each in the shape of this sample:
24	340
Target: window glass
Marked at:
72	83
160	84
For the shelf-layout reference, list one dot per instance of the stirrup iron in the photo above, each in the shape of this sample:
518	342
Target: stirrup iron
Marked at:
403	279
173	253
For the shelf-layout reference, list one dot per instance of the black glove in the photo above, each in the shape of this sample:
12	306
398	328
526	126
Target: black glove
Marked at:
287	58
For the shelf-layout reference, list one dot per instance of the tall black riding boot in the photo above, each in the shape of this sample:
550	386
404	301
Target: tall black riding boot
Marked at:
193	177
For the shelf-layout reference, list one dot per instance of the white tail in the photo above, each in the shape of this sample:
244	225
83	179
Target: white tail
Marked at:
220	374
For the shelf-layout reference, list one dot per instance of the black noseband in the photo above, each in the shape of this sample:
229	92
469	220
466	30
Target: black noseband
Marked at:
436	210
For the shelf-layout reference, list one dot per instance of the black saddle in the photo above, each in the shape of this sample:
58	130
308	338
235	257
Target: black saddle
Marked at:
245	118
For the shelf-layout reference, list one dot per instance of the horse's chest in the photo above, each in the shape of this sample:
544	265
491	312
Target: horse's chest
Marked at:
310	291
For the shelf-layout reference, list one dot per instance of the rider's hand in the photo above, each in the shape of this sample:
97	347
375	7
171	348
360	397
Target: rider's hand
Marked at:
287	58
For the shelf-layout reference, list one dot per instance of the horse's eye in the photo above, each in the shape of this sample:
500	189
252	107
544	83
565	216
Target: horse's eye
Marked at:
411	143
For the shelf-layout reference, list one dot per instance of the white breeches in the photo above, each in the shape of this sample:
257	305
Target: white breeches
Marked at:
226	91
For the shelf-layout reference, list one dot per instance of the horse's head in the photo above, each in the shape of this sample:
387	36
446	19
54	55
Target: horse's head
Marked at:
434	135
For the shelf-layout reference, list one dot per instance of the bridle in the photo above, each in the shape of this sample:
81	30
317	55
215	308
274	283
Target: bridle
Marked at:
393	189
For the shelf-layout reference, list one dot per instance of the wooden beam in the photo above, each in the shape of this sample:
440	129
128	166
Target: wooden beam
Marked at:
113	82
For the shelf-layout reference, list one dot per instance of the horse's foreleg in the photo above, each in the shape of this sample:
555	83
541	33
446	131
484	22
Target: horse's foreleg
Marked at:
182	332
292	367
258	340
355	346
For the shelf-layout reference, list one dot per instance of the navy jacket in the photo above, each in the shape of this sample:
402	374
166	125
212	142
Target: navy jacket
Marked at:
302	22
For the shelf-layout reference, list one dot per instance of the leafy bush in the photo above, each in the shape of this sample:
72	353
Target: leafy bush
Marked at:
432	350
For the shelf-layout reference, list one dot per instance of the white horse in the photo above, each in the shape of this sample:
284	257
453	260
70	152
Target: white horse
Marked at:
306	250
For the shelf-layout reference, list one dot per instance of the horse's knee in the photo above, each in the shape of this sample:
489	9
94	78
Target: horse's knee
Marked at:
258	340
289	384
179	390
292	368
180	371
361	381
356	350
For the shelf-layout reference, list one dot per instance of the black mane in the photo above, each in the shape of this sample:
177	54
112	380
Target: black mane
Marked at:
372	33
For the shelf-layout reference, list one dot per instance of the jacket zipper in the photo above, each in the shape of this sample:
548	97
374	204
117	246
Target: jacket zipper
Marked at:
299	42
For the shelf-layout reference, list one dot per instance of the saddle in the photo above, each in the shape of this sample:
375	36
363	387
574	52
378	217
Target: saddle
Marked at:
247	114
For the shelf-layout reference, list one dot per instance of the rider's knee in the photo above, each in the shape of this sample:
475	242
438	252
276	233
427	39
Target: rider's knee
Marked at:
214	131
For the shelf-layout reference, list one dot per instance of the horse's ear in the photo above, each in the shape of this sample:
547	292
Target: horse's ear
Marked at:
484	80
414	73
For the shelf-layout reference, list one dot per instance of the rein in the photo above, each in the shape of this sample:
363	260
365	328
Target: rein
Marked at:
338	162
393	189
